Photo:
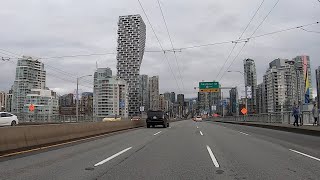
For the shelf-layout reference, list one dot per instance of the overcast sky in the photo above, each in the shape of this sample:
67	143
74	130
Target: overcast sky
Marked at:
46	28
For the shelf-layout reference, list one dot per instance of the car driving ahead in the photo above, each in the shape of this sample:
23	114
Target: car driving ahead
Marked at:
157	118
8	119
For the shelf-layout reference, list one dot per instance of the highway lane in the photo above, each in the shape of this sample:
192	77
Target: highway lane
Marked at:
186	150
307	143
71	162
247	155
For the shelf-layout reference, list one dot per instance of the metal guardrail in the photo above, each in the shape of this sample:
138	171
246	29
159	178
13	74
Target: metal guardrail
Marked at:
276	117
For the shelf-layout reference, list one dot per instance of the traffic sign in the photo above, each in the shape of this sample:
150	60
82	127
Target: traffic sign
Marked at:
31	107
209	90
244	111
209	85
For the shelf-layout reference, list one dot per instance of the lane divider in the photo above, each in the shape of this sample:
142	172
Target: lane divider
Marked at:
157	133
201	133
305	155
213	158
243	133
111	157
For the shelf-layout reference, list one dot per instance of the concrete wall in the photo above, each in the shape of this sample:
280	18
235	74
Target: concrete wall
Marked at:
12	138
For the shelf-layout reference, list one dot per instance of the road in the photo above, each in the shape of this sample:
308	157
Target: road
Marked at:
186	150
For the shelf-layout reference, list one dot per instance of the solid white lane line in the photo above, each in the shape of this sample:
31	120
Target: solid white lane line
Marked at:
305	155
243	133
111	157
201	133
214	160
157	133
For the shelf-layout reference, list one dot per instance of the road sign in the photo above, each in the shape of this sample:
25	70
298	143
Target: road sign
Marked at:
244	111
209	90
31	107
209	85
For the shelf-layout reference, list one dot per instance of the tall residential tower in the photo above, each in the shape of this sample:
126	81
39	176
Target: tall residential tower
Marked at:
131	43
251	82
154	92
30	74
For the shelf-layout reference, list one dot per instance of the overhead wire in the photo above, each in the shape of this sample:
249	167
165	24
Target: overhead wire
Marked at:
250	38
172	46
282	30
182	48
318	32
164	52
52	68
235	43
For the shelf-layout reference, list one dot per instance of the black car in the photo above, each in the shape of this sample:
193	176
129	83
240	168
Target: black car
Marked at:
157	118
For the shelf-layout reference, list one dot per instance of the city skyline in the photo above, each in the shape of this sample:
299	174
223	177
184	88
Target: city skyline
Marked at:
283	45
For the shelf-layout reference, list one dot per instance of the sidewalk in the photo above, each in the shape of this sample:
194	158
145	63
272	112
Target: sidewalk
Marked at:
305	129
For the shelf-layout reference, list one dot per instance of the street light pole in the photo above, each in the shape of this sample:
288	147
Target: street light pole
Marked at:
77	97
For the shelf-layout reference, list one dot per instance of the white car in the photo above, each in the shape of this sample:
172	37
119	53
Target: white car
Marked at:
8	119
198	118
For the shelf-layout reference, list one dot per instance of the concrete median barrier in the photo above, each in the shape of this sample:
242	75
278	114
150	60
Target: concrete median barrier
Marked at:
24	137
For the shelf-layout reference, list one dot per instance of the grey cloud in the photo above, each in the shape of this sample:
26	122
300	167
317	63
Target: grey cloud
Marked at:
67	27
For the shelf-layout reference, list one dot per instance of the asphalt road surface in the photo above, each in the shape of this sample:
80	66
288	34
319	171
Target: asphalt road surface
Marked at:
186	150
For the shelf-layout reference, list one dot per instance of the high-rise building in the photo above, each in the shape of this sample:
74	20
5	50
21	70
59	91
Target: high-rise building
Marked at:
209	102
173	97
167	96
251	83
144	91
67	104
303	71
86	104
30	74
234	104
261	98
9	101
180	99
46	105
3	97
131	43
154	92
280	85
203	102
162	102
318	85
110	94
67	100
169	104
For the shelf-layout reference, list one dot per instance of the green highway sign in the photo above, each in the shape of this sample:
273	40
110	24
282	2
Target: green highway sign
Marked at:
209	85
